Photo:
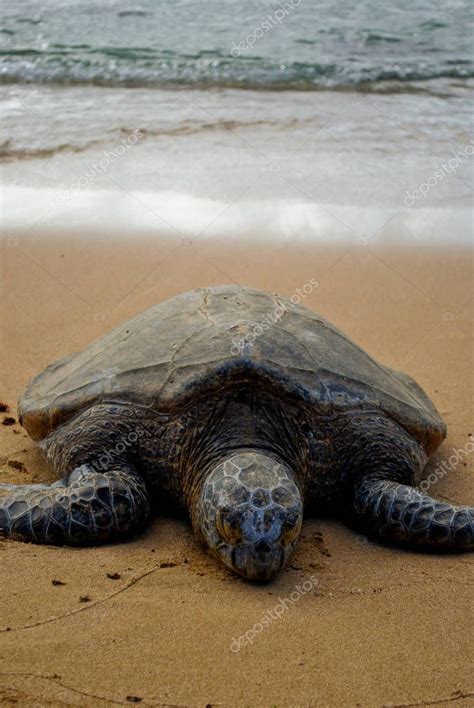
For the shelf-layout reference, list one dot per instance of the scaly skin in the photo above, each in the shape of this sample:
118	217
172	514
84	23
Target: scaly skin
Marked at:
402	514
113	456
385	463
85	508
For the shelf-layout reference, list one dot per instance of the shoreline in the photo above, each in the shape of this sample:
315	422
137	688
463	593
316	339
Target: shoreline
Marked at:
157	217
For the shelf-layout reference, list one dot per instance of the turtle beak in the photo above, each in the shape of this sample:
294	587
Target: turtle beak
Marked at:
260	561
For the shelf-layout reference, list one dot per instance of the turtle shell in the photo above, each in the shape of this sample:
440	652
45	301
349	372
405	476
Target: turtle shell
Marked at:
210	339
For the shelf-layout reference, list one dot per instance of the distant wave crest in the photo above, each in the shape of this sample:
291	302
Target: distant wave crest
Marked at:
125	66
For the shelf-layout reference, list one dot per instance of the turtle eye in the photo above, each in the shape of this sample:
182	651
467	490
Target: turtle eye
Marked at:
291	527
228	526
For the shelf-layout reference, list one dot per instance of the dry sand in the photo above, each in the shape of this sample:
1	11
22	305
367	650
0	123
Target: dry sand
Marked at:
381	627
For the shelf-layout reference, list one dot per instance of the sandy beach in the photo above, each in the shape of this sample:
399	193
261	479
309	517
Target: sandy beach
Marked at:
315	149
152	621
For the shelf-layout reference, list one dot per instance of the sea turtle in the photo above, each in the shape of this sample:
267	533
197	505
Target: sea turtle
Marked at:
241	406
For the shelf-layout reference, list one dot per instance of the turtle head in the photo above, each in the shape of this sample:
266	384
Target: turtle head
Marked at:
250	513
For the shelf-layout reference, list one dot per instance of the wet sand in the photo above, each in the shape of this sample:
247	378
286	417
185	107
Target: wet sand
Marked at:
379	627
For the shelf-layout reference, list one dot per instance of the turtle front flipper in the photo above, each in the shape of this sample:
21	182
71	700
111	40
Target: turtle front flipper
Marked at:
384	462
86	508
402	514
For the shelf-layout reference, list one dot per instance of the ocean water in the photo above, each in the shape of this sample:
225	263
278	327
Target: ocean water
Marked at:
299	119
299	44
